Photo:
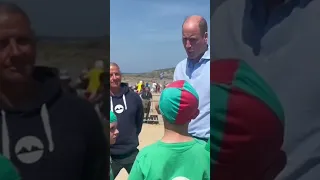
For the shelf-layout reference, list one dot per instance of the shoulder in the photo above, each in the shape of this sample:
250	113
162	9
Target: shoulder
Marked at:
135	96
147	152
75	101
200	148
181	64
76	107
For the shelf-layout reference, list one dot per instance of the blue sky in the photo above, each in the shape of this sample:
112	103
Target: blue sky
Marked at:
146	34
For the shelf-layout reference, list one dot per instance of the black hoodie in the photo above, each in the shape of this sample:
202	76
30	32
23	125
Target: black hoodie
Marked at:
127	106
58	136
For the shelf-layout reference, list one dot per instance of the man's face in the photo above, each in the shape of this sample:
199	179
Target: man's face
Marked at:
115	77
17	48
113	132
193	41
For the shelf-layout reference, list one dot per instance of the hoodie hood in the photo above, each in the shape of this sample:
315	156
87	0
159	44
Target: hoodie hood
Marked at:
49	90
124	89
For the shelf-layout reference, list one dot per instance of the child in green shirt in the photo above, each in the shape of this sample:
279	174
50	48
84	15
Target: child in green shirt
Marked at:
113	135
7	170
176	155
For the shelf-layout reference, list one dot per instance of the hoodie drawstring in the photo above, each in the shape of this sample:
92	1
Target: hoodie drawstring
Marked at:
5	136
47	128
5	133
124	102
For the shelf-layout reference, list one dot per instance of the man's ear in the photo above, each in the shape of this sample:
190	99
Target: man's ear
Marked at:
206	37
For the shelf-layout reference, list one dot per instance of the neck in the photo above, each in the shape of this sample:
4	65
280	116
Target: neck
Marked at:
176	134
15	94
114	91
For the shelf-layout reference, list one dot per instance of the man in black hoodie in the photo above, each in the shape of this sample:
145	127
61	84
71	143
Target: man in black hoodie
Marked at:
47	134
127	105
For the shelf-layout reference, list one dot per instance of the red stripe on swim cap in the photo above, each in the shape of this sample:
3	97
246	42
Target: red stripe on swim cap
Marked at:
188	107
223	70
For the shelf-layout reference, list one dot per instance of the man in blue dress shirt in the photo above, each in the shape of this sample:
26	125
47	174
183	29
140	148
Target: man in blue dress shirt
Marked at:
196	70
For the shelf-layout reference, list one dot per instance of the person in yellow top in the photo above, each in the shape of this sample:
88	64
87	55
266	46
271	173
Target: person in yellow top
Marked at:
94	78
139	87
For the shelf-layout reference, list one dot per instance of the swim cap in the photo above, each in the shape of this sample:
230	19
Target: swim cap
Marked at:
113	117
247	124
179	102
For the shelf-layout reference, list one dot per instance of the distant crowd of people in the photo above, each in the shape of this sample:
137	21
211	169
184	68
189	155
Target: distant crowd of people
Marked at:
153	86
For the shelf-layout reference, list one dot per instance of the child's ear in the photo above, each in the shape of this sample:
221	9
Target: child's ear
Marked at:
196	114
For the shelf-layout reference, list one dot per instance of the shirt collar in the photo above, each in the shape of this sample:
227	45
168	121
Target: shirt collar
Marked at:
206	55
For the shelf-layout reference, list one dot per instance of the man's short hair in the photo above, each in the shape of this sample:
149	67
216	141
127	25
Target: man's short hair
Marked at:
203	25
114	64
8	7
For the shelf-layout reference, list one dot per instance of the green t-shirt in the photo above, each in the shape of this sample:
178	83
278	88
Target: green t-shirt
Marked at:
164	161
7	170
208	145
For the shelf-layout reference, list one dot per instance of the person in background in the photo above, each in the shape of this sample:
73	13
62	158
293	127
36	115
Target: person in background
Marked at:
146	96
154	87
99	97
173	157
113	136
46	134
102	90
127	106
94	79
158	88
110	118
139	86
82	83
196	70
65	81
279	40
7	170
